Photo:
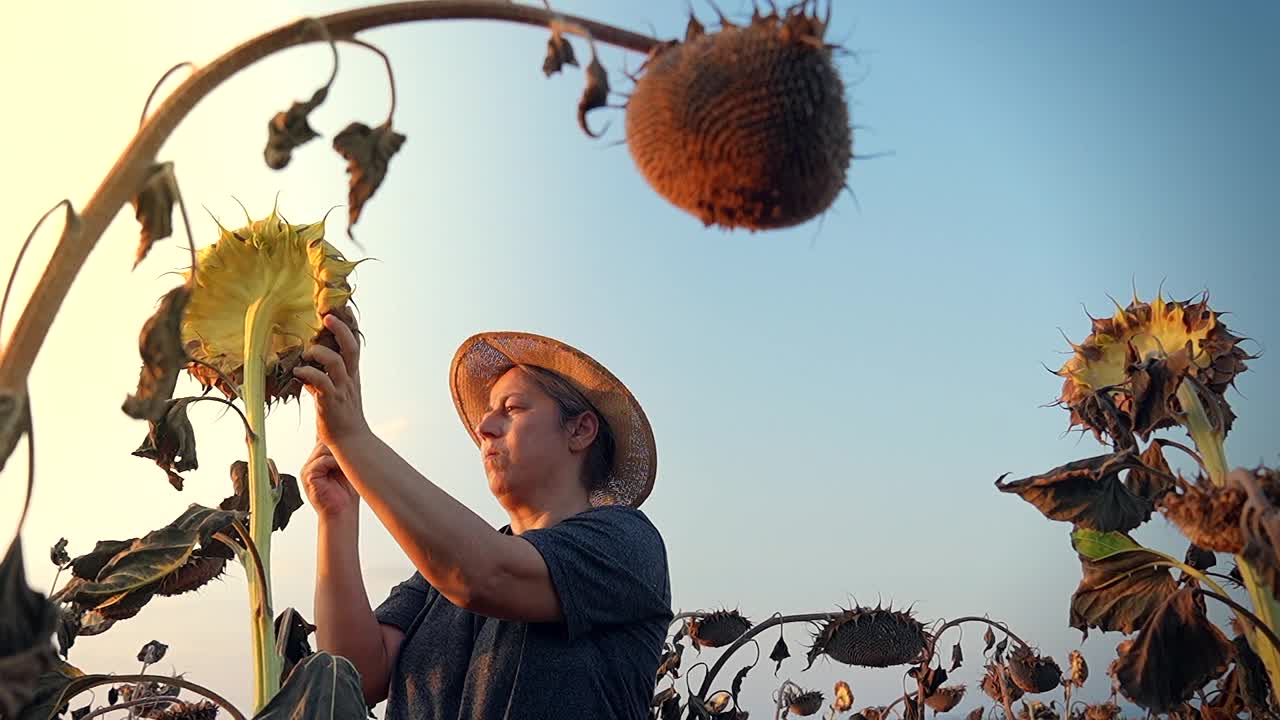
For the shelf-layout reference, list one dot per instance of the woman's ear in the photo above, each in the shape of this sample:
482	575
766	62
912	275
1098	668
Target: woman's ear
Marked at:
583	430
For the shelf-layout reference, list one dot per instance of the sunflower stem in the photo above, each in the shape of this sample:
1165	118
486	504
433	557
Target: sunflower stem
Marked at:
1210	442
266	663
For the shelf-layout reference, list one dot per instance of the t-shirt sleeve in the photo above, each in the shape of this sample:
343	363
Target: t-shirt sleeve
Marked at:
403	603
608	566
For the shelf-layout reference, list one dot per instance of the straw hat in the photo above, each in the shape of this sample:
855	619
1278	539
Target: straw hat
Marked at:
483	358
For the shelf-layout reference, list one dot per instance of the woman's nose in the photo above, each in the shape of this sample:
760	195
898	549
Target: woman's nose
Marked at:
490	425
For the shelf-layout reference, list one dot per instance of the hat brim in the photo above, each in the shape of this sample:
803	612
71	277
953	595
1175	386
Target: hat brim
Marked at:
484	357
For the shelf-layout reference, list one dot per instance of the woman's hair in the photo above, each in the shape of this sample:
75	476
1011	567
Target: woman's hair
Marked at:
572	403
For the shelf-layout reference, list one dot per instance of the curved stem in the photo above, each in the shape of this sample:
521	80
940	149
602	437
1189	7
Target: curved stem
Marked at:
126	176
748	635
969	618
210	398
1244	612
130	704
142	119
1162	442
253	553
391	76
17	263
88	682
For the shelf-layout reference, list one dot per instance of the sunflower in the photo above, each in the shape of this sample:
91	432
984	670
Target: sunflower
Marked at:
1134	362
265	287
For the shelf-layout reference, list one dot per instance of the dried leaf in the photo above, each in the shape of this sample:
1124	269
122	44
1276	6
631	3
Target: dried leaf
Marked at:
976	713
129	579
160	345
1000	648
1255	683
77	714
1153	385
670	662
13	424
287	496
153	207
779	653
88	566
929	678
52	686
988	637
671	708
58	553
1154	478
289	129
1177	651
291	640
27	622
321	686
1121	588
663	696
1199	558
595	94
957	657
1237	580
1086	492
559	54
152	652
367	152
171	442
67	629
736	686
1260	522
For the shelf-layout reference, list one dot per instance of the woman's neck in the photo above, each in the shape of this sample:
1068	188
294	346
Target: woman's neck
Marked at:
543	512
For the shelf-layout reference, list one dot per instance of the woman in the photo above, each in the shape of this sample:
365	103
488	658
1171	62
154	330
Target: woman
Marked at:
560	614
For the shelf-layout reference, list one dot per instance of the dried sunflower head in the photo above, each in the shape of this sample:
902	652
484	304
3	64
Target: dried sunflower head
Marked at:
1207	514
997	690
270	277
1138	358
1033	673
1079	669
844	697
1102	711
717	629
870	637
945	698
745	127
805	703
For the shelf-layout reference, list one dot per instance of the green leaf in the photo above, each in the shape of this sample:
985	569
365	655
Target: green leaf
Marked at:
1096	545
321	687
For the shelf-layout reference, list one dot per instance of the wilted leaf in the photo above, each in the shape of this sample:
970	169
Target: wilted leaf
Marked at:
58	553
1237	580
322	686
911	709
957	656
160	345
152	652
291	639
559	54
1155	477
67	628
779	653
27	623
1121	587
88	566
1199	558
670	662
1000	648
670	708
945	699
49	690
287	496
171	442
153	207
595	94
1153	386
131	576
988	637
13	423
367	152
1086	492
1177	651
1255	683
929	678
289	129
81	712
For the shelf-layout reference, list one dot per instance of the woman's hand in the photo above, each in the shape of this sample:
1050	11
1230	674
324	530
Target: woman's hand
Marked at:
327	487
336	387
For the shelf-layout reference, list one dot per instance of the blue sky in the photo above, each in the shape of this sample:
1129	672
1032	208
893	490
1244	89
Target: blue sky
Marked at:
832	403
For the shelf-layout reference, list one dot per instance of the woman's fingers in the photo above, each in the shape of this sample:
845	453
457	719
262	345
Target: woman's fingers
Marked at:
334	366
347	343
314	378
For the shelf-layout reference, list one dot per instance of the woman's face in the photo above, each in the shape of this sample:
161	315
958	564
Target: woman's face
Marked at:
522	439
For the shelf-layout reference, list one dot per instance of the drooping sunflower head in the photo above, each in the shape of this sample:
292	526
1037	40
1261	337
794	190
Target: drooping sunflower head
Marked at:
267	285
1135	361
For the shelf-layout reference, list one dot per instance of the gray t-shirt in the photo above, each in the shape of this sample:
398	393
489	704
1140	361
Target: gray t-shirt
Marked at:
609	568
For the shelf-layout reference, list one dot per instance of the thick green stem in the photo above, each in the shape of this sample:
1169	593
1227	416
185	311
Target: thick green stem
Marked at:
1210	444
266	663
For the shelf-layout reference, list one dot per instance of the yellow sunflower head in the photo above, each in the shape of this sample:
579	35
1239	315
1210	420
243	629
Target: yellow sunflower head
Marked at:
1133	363
266	286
